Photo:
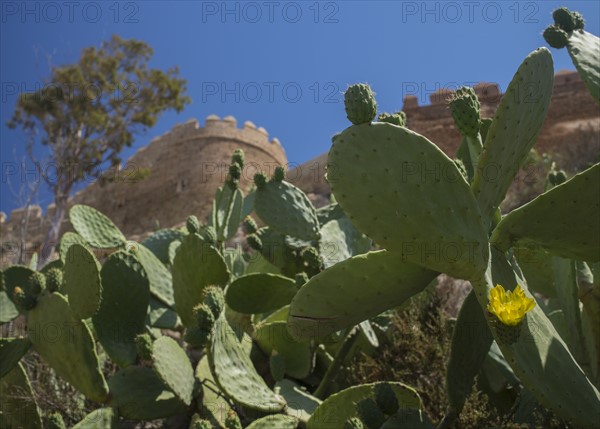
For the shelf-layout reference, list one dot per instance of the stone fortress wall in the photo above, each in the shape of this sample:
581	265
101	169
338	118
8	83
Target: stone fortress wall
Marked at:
188	163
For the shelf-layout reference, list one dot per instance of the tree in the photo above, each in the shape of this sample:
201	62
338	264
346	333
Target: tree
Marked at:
86	113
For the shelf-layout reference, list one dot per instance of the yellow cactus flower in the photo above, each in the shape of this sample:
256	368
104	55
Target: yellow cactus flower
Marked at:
509	307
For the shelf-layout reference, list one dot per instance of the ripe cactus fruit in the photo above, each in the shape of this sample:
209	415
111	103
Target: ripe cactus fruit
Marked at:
54	279
370	414
386	399
465	109
354	423
556	36
398	118
359	101
192	224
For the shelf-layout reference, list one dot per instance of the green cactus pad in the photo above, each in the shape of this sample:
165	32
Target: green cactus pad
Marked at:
540	358
275	421
196	265
339	407
102	418
536	265
514	131
465	109
18	407
340	240
352	291
173	367
570	226
234	258
11	352
329	212
158	243
235	374
359	102
370	414
139	394
287	209
69	347
95	228
122	312
300	404
8	311
161	281
584	49
21	277
297	355
382	173
212	406
162	317
227	211
260	293
471	342
66	241
82	282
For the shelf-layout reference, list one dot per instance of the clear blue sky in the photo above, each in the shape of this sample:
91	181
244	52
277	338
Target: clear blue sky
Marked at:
281	64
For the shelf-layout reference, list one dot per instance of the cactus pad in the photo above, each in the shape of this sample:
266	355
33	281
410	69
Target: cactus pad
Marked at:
95	228
287	209
297	355
339	407
11	352
382	173
158	243
82	281
196	265
102	418
69	349
260	293
514	131
235	374
18	407
214	406
122	312
66	241
584	49
161	281
352	291
20	287
275	421
300	404
570	226
340	240
173	367
139	394
8	311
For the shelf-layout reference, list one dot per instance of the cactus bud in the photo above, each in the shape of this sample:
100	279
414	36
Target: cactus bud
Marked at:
192	224
23	301
54	280
204	316
279	174
55	421
254	242
214	299
578	20
561	177
209	234
386	399
301	279
398	118
370	414
199	423
38	283
277	366
260	180
232	421
238	157
311	257
359	101
564	19
465	109
235	171
353	423
249	225
556	36
143	344
196	337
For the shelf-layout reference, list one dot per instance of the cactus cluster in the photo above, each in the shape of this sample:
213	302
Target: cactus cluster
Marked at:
256	335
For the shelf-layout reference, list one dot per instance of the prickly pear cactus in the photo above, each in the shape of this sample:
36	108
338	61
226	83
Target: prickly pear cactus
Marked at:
82	283
95	228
